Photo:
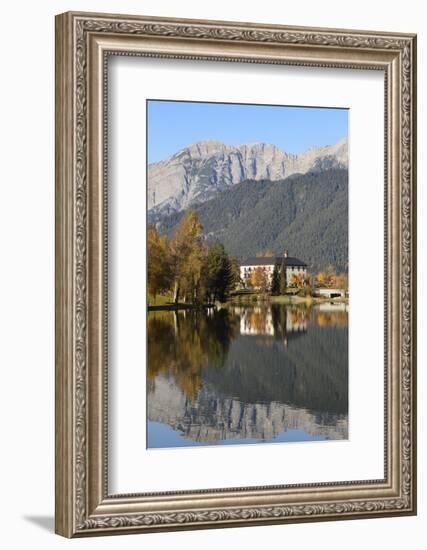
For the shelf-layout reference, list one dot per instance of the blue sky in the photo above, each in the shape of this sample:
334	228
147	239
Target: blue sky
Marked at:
173	125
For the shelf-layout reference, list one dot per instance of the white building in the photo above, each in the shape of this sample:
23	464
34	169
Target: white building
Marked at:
293	266
330	292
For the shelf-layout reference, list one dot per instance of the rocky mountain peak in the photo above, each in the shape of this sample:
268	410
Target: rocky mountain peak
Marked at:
205	148
198	172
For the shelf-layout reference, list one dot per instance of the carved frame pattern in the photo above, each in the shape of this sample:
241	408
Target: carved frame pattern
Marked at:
76	513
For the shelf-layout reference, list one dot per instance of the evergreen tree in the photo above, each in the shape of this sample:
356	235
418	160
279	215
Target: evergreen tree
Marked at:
219	274
235	270
275	281
283	283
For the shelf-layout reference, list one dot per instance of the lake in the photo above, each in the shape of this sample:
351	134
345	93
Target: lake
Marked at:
263	373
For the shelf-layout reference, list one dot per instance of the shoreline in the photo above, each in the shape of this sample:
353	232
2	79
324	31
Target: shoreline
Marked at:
306	300
178	307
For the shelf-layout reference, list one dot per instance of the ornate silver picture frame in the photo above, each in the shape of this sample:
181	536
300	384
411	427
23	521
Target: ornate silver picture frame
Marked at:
84	43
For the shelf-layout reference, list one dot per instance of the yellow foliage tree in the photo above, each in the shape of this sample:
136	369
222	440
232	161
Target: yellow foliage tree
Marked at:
259	279
296	280
322	278
187	252
342	281
159	272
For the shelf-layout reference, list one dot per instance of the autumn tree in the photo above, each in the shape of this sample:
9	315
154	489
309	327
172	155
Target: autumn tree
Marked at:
342	281
306	279
254	276
187	255
159	272
332	280
306	289
186	265
322	278
192	273
328	277
259	279
296	280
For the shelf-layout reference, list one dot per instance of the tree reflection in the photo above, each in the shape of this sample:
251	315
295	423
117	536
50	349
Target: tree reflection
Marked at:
337	319
183	344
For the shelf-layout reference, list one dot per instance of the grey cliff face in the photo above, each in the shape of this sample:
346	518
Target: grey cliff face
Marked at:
198	172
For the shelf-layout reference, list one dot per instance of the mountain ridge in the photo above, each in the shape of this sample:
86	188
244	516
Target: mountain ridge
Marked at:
201	170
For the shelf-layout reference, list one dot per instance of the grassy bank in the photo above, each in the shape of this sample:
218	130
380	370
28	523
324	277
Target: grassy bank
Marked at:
306	300
165	302
179	306
248	297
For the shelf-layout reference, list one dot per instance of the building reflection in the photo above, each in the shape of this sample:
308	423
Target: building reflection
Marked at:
272	321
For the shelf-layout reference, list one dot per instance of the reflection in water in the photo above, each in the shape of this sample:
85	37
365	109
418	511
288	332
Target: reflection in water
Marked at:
245	374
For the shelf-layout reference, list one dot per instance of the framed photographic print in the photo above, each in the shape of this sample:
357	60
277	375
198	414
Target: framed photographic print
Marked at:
235	274
224	294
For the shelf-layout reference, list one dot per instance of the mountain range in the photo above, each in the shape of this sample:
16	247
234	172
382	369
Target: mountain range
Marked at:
257	197
200	171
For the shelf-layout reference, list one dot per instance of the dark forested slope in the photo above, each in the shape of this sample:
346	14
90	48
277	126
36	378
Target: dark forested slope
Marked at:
305	214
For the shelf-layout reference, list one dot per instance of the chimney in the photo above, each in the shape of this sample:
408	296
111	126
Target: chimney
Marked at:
285	254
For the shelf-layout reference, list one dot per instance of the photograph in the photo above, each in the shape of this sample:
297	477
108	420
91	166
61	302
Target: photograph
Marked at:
247	273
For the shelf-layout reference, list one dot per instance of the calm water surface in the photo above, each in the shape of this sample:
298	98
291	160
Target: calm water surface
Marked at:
247	374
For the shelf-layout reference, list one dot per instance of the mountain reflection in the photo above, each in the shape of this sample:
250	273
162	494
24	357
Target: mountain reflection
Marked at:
245	372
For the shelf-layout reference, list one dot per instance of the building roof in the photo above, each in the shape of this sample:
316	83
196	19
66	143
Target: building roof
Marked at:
271	260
